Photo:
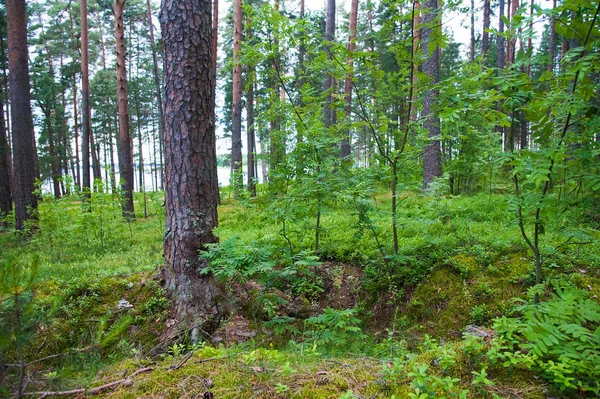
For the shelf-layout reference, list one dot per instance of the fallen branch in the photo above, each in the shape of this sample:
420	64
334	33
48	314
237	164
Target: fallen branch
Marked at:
69	352
91	391
182	362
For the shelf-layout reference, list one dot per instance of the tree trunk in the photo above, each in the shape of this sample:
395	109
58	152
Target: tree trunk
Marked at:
345	144
191	193
328	84
485	36
125	144
85	98
552	40
5	190
24	153
236	115
250	73
472	47
7	117
501	53
432	158
158	93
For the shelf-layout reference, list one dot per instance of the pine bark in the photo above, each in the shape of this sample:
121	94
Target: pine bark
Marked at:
552	40
125	143
432	158
191	192
236	115
85	98
24	153
345	144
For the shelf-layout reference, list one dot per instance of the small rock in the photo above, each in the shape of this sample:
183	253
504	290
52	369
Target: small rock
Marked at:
124	304
477	331
130	285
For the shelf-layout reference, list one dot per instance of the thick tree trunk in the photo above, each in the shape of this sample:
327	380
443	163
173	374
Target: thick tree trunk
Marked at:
485	36
125	144
85	98
432	157
191	192
158	93
345	144
5	189
24	153
236	114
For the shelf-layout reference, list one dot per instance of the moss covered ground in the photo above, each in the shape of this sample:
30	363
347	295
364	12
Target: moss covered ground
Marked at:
97	302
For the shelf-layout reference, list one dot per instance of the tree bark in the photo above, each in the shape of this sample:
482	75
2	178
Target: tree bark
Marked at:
552	40
236	115
5	189
24	152
345	144
432	158
85	98
250	130
125	144
501	52
472	47
329	116
191	192
485	36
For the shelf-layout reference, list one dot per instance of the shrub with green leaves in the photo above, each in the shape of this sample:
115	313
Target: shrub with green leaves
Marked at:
559	337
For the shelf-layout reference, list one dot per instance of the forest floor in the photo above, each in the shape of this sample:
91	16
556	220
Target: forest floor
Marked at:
349	324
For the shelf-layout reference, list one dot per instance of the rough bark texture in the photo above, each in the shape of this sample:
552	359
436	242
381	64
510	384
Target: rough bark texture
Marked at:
22	122
125	144
485	36
345	144
432	158
191	188
236	114
85	98
5	190
158	92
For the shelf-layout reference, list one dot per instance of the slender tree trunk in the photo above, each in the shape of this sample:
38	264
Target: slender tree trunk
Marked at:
191	193
472	47
5	189
158	91
236	120
95	152
328	84
85	98
485	36
7	105
501	51
432	158
125	144
250	73
552	40
24	153
345	144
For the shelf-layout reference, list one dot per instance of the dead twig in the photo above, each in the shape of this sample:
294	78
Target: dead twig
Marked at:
91	391
182	362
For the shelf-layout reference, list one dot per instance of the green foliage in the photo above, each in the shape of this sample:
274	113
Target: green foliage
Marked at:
559	337
334	329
